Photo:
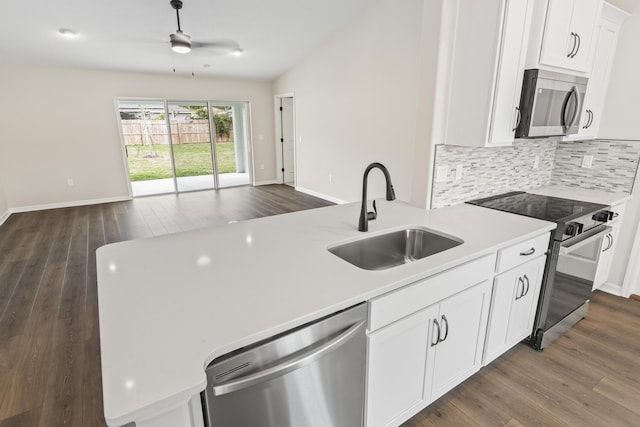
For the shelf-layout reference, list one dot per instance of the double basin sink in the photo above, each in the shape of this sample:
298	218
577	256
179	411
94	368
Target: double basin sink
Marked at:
384	251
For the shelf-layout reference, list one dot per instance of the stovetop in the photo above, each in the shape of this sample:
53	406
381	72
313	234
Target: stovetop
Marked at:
547	208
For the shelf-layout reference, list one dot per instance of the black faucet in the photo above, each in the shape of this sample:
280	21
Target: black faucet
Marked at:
365	217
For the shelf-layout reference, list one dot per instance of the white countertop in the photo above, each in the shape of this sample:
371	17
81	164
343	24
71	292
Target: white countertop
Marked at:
169	305
582	194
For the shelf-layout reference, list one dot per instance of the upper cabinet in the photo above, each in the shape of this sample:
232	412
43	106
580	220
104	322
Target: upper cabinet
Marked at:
569	29
487	67
604	49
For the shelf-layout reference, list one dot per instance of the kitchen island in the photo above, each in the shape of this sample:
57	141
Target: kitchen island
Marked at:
171	304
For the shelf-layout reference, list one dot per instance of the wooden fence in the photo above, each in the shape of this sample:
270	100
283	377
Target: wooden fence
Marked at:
144	132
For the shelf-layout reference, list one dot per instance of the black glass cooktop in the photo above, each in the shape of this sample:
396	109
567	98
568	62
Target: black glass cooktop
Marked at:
547	208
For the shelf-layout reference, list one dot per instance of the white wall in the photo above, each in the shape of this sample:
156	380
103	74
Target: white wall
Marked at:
62	123
357	100
620	121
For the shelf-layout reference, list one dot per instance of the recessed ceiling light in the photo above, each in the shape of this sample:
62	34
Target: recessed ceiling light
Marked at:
207	65
67	33
237	51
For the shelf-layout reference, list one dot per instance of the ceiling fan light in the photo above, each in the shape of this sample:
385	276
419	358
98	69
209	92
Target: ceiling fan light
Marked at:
180	42
180	48
236	51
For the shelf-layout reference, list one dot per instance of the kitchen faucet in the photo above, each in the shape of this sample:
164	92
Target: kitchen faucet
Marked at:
365	217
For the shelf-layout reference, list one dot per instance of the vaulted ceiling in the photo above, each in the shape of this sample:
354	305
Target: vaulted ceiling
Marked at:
133	35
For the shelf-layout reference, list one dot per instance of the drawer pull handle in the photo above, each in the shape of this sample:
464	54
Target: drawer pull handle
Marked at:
529	252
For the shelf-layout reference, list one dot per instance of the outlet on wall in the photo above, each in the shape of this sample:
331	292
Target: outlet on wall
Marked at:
536	162
330	177
459	172
587	161
70	182
441	173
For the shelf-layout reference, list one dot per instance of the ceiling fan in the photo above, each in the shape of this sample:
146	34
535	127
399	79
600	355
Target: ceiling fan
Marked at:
181	42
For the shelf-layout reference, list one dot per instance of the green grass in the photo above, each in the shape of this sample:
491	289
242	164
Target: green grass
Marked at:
147	162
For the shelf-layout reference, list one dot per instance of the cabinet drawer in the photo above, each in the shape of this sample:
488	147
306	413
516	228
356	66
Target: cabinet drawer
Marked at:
395	305
522	252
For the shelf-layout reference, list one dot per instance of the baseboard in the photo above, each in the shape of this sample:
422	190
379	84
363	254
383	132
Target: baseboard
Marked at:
4	216
68	204
635	297
270	182
321	196
611	288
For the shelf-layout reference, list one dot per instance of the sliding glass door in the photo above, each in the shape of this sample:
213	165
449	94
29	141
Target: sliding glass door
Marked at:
179	146
191	142
231	143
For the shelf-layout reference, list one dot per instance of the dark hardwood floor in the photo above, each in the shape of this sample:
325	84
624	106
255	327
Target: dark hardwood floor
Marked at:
49	336
589	377
50	348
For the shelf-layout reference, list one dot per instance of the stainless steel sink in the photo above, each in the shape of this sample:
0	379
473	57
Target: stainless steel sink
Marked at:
395	248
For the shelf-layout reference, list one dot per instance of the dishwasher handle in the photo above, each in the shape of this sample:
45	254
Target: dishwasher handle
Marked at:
290	365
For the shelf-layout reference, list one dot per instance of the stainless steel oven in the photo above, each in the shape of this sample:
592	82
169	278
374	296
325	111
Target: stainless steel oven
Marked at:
550	104
576	261
572	258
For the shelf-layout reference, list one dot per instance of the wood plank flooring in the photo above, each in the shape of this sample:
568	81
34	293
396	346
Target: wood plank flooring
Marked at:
49	332
50	347
589	377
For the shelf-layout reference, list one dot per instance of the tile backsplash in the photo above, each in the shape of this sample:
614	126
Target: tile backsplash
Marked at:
614	165
488	171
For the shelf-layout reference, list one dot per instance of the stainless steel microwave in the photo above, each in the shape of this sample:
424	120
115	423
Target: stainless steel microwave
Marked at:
550	104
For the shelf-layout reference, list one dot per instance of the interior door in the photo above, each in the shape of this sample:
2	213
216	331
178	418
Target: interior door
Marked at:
288	143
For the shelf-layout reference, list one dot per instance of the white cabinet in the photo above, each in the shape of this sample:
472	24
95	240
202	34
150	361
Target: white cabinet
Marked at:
487	68
513	307
605	46
608	248
569	32
457	340
396	365
424	339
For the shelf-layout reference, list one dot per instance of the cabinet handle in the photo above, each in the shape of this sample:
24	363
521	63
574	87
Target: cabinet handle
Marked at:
609	242
529	252
435	322
527	280
445	322
575	42
578	47
518	118
519	294
590	121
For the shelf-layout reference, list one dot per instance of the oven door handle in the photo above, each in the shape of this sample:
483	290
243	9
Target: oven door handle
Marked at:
566	249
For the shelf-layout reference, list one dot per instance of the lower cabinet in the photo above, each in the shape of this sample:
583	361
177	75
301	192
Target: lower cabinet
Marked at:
396	365
513	307
418	358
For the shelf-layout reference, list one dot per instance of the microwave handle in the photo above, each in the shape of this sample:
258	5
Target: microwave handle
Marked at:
574	117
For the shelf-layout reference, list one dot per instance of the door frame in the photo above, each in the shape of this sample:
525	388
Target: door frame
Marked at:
278	133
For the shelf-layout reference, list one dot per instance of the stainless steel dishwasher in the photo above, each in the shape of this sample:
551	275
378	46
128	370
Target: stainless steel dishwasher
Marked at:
312	376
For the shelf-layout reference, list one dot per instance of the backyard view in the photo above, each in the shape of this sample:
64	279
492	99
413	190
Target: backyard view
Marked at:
168	145
193	159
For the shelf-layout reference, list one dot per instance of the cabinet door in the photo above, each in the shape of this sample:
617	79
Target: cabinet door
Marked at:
396	366
524	302
568	33
606	257
607	36
462	323
510	72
